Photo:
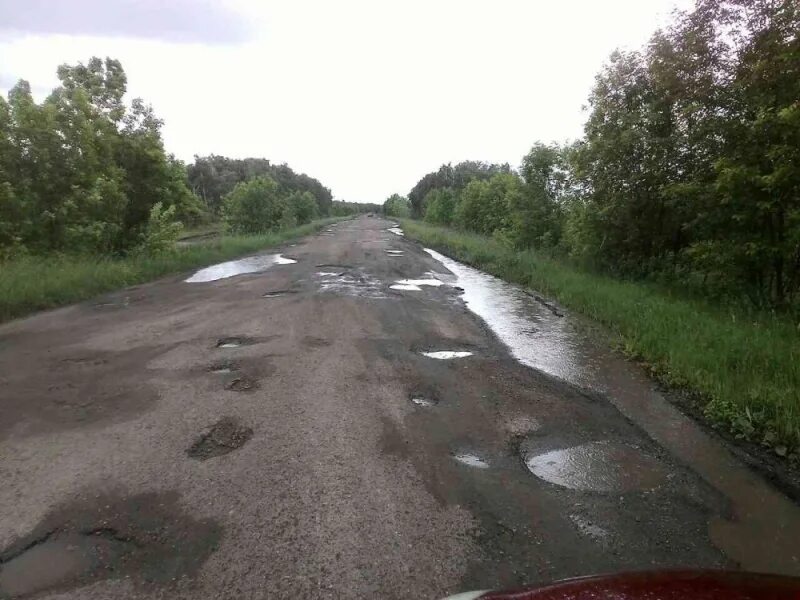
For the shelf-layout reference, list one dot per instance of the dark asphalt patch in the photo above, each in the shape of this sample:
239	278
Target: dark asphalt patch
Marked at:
225	436
108	537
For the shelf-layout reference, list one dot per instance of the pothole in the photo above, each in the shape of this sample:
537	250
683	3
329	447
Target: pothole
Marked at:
471	460
235	342
394	252
278	293
225	436
242	384
107	537
446	354
424	401
222	368
396	230
589	529
598	467
405	287
334	266
284	260
315	342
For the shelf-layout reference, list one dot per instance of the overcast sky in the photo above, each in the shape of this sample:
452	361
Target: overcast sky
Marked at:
365	95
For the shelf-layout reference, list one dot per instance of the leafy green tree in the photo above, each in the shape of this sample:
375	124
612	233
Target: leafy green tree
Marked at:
255	206
396	206
440	205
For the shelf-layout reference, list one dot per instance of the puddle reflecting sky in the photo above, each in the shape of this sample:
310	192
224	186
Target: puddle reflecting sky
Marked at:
535	336
250	264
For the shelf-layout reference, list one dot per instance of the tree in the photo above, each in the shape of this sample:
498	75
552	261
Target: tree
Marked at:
396	206
440	205
255	206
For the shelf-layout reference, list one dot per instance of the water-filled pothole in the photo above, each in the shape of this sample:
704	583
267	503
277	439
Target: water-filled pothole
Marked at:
235	342
394	252
405	287
471	460
107	537
424	401
225	436
446	354
250	264
334	266
396	230
598	467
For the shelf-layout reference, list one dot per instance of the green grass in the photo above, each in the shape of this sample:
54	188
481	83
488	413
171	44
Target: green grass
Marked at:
746	370
33	283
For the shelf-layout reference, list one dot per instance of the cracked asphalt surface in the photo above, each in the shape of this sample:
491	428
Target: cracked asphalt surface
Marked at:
323	475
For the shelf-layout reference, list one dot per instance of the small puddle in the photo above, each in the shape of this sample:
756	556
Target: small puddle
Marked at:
243	266
225	436
394	252
405	287
396	230
420	282
421	401
598	467
471	460
55	561
446	354
352	284
327	274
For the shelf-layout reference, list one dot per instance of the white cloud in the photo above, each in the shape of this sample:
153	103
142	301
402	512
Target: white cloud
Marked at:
368	96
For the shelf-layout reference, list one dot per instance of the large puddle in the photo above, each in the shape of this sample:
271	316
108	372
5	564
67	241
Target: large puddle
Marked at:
763	531
250	264
598	467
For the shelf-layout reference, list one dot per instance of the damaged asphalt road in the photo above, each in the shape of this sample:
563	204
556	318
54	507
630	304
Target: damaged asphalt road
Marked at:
346	426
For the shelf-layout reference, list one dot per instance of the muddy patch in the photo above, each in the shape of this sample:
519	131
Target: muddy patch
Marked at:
242	383
598	467
108	537
225	436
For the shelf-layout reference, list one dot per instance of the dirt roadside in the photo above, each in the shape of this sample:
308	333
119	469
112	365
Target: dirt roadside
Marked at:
281	434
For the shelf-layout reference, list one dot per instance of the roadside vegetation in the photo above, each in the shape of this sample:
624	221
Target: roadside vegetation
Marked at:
33	283
674	220
91	201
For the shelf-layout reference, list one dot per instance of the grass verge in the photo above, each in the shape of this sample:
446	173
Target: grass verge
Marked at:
33	283
746	371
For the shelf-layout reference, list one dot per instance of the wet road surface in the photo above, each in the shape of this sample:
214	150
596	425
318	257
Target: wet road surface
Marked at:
372	420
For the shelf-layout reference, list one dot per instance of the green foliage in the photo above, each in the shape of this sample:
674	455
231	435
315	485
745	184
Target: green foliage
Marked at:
162	231
396	206
440	205
746	368
340	208
214	177
31	283
455	178
255	206
81	171
305	206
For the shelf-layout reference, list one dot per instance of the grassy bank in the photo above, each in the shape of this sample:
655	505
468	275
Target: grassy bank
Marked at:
746	371
33	283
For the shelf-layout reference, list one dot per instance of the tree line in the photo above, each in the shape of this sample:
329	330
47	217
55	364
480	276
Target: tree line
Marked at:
83	171
688	170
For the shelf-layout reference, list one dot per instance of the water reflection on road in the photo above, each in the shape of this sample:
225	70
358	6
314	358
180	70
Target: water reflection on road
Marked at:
764	528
